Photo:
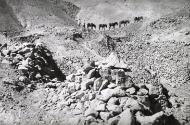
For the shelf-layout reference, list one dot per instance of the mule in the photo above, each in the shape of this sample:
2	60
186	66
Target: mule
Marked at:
123	22
91	26
102	26
112	25
137	19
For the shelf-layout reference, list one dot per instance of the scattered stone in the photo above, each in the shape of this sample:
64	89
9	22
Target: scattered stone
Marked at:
127	118
142	92
133	105
97	84
112	85
114	101
91	112
80	94
92	96
104	85
148	120
105	115
114	120
91	74
70	78
101	106
115	109
106	94
87	83
131	91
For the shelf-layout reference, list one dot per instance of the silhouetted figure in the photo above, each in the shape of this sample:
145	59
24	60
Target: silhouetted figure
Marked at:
102	26
123	22
112	25
137	19
91	26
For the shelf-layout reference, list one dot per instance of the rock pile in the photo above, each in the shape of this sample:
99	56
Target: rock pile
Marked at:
104	93
33	62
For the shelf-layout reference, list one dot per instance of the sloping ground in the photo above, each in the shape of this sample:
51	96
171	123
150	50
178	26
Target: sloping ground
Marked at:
39	13
36	15
98	11
8	20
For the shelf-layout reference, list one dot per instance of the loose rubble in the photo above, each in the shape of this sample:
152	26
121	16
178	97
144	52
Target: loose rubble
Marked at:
106	97
32	61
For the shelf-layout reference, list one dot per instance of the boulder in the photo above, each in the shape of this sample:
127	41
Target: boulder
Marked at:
112	85
115	109
23	79
114	101
91	112
98	105
89	120
123	100
80	94
142	92
87	83
114	120
97	84
104	85
105	115
131	91
106	94
92	96
133	105
148	120
101	106
70	78
91	74
127	118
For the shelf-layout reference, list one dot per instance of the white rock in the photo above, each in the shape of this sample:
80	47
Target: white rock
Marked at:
114	120
87	83
131	90
113	100
70	78
133	104
114	108
91	73
105	115
91	112
101	106
97	84
127	118
23	78
112	85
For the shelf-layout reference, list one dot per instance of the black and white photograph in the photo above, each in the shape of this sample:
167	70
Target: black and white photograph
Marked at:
94	62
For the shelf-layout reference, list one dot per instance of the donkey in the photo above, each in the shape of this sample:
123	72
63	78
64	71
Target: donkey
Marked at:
91	26
123	22
137	19
102	26
113	25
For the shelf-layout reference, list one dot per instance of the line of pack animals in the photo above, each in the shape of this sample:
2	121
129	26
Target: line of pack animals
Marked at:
109	25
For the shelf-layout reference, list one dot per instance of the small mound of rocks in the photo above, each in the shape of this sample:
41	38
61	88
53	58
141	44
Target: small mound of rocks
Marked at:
33	61
103	92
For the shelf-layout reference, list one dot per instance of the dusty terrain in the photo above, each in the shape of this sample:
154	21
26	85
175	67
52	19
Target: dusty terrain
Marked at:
54	72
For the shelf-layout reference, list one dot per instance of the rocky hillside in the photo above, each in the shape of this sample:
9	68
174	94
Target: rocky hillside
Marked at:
55	72
38	14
